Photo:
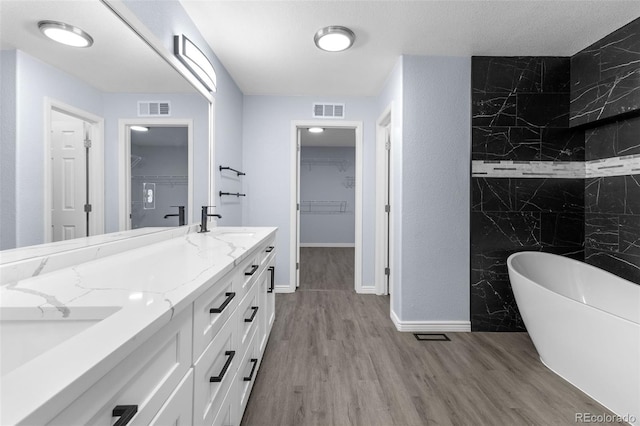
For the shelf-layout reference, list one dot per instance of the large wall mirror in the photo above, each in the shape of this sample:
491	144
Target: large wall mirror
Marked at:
72	163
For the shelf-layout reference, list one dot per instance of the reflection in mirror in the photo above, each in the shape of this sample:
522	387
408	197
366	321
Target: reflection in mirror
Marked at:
57	187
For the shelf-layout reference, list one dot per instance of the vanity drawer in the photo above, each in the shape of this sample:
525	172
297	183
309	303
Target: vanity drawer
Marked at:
248	271
248	316
145	379
178	410
247	371
214	373
228	412
268	250
267	303
213	309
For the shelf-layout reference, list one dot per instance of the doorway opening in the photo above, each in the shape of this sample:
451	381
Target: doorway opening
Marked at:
156	179
326	225
74	173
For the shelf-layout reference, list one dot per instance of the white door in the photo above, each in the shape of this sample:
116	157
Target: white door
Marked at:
387	204
298	209
69	180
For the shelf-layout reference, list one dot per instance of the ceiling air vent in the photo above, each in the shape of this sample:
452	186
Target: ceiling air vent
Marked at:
328	110
154	109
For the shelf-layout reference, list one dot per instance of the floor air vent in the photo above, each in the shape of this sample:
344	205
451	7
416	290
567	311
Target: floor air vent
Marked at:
433	337
154	109
328	110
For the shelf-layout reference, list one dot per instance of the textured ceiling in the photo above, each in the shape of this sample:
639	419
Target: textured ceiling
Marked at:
267	46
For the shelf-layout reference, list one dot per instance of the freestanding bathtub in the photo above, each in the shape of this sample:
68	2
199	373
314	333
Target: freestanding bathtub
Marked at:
585	325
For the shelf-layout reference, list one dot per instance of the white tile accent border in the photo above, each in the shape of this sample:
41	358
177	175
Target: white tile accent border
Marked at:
615	166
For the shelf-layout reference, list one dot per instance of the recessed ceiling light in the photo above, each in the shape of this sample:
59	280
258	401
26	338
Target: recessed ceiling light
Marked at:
334	38
139	128
65	33
316	130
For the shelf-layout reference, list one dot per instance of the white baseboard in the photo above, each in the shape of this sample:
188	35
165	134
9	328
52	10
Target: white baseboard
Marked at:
282	289
327	245
366	290
430	326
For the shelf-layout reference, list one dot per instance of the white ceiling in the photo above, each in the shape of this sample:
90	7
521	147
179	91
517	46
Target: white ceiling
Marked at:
329	138
118	61
267	46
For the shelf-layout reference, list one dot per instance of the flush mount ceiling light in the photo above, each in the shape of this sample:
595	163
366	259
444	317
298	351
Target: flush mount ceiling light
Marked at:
195	60
139	128
316	130
65	33
334	38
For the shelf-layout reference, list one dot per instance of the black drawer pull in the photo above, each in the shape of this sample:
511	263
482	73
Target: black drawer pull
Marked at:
253	315
253	270
253	370
125	412
226	302
269	249
272	269
219	377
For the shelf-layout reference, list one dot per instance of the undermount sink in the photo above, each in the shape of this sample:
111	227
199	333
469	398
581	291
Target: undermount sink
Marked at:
26	333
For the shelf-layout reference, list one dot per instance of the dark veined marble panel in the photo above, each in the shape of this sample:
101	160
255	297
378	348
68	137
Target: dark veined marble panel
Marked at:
556	74
630	234
550	195
605	195
607	98
602	231
620	51
562	145
493	307
505	143
492	74
632	194
573	252
628	136
621	264
493	195
506	231
543	110
601	142
493	109
562	229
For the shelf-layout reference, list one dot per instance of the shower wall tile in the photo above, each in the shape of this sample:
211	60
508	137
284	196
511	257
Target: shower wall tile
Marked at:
562	229
623	265
613	194
605	77
551	195
505	143
543	110
602	231
562	144
493	109
496	74
629	235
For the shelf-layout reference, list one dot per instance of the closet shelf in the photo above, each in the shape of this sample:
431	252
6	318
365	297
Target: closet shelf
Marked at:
342	164
323	207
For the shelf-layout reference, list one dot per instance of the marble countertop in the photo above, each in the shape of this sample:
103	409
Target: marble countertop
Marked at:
138	290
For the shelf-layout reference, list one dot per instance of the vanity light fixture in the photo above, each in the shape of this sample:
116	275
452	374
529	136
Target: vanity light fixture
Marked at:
197	62
139	128
65	33
334	38
316	130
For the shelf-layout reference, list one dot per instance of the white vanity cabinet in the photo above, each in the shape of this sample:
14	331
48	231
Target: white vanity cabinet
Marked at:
200	367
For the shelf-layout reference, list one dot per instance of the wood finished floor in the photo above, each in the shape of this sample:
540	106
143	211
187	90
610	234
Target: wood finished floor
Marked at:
335	358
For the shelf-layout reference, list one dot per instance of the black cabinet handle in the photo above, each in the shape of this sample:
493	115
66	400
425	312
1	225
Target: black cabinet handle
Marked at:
125	412
272	269
253	270
226	302
253	370
253	315
219	377
269	249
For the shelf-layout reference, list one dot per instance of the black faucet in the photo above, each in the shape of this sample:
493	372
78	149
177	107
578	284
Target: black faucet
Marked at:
205	217
181	217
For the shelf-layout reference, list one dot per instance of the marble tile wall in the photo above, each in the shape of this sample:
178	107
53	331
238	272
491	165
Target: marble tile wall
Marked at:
520	119
605	77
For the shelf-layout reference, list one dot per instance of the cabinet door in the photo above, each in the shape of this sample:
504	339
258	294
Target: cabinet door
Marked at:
178	410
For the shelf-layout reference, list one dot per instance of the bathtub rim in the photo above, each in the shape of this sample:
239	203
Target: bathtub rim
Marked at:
513	269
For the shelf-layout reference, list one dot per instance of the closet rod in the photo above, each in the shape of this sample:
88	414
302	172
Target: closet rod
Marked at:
237	194
233	170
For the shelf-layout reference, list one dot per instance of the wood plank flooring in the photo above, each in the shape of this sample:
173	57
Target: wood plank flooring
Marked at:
323	268
335	358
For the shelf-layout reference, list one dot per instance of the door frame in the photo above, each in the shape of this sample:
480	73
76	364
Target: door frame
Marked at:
96	169
384	121
294	236
124	163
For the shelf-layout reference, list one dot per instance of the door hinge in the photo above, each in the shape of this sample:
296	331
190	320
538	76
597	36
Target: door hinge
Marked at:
387	208
387	145
87	208
297	266
387	271
298	207
87	143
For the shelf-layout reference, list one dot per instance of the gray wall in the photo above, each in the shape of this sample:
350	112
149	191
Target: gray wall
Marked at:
165	19
435	201
267	152
327	182
7	149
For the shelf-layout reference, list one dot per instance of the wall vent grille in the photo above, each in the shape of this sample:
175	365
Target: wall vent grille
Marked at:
328	110
154	108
